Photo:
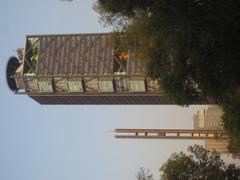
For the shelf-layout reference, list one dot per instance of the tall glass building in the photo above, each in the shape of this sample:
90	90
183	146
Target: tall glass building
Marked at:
81	69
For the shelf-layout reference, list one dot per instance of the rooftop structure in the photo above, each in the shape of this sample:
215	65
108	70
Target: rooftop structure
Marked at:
82	69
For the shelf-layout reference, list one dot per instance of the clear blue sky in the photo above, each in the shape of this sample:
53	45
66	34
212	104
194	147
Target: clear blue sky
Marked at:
72	142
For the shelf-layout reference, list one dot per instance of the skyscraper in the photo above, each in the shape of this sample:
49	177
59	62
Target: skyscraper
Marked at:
81	69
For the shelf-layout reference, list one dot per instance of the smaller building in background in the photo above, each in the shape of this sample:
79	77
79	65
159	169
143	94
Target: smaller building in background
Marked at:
211	119
208	119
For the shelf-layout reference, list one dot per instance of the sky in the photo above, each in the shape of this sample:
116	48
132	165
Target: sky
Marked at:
74	141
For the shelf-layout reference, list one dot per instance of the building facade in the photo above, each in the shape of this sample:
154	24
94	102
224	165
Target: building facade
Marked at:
208	119
82	69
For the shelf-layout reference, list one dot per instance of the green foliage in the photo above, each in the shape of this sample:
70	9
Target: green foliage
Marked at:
144	174
124	7
200	164
234	146
179	166
191	46
231	117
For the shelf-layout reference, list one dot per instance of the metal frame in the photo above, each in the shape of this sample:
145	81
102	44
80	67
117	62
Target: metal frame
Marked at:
120	64
26	52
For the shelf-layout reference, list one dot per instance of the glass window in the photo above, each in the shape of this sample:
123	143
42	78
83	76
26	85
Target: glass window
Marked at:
105	86
74	86
45	86
137	86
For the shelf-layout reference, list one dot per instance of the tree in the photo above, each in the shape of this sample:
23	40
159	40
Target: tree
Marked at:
124	7
144	174
234	146
191	46
199	164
